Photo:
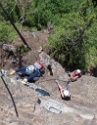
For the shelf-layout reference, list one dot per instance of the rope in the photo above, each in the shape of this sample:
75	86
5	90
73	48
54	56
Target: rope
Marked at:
53	79
11	21
15	108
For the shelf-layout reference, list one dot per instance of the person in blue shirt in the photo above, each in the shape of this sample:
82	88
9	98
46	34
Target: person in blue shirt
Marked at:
32	72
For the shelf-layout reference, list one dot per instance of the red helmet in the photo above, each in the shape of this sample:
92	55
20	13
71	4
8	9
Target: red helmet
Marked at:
38	65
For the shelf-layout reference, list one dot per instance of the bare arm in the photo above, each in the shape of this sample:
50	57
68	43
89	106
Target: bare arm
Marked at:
73	78
61	90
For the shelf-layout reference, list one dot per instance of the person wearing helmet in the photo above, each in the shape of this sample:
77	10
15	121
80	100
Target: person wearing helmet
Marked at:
33	72
65	92
75	75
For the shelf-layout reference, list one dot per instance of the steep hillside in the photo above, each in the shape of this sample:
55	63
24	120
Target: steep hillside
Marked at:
33	108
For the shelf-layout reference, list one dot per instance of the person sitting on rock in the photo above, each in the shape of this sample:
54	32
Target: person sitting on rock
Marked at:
75	75
65	92
32	72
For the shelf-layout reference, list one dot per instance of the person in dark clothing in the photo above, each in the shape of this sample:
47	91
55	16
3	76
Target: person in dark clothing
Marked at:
31	72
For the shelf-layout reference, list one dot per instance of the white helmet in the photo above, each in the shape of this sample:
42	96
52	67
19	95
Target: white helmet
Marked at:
78	71
66	93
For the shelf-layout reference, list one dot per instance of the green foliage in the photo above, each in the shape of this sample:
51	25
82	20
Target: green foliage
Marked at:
75	38
52	10
23	49
11	8
38	12
7	33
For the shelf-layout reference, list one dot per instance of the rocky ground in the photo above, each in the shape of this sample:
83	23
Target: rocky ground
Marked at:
33	108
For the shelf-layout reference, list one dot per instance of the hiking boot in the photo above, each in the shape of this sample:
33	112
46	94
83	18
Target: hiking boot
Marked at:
23	82
12	72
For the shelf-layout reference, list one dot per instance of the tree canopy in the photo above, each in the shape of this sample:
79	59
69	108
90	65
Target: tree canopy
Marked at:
73	39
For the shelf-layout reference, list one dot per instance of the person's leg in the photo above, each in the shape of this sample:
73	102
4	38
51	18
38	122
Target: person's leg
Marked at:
23	69
33	75
71	79
67	86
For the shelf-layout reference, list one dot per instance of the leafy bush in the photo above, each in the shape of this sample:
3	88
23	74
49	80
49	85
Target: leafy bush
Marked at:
51	11
74	39
7	33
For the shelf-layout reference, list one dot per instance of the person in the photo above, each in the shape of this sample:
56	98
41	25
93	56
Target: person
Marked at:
75	75
65	92
31	71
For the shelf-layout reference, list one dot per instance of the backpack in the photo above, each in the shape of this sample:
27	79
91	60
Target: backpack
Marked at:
39	66
30	69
